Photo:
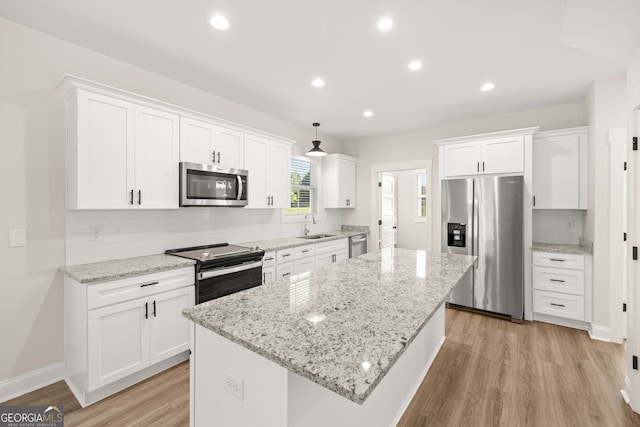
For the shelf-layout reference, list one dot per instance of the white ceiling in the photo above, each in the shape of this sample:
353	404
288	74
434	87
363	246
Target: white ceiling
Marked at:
538	53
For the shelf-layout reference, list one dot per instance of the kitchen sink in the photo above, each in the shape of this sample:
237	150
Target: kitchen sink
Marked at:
316	236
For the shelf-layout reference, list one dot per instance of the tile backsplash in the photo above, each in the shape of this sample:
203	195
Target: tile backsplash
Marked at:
93	236
558	226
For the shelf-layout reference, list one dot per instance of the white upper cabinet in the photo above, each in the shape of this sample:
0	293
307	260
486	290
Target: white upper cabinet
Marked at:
560	169
120	155
339	179
267	162
491	156
207	143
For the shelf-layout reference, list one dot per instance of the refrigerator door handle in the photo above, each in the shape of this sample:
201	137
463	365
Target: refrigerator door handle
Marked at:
475	224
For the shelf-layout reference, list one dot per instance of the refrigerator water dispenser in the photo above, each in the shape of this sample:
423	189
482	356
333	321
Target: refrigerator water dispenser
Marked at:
456	234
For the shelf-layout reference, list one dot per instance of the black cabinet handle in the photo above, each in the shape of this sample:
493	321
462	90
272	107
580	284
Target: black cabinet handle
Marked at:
556	305
285	255
139	197
218	157
483	166
213	157
557	280
154	309
534	200
556	259
305	251
478	167
149	284
286	274
264	278
146	310
131	197
269	259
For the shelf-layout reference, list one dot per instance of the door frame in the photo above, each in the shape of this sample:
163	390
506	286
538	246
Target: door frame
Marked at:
376	169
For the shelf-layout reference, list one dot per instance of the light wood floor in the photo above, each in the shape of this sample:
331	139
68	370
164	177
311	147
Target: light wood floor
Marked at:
489	372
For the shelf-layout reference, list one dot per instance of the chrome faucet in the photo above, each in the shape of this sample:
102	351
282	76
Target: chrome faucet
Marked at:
306	230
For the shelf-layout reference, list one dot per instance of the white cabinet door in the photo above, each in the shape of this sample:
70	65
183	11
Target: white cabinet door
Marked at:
118	341
168	329
324	259
268	274
556	172
156	159
104	135
196	141
279	176
255	161
284	270
229	147
462	159
347	189
503	155
304	265
341	255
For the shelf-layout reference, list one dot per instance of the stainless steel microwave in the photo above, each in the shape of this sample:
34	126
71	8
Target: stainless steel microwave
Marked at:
208	185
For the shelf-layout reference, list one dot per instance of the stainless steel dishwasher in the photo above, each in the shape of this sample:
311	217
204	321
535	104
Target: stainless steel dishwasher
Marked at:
357	245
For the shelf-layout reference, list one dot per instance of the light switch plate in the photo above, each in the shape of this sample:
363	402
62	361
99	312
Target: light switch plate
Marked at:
17	237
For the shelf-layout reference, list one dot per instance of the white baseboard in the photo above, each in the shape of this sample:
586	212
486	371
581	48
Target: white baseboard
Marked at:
25	383
600	333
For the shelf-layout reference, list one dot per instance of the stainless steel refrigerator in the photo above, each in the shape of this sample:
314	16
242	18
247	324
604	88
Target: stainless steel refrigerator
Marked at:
483	217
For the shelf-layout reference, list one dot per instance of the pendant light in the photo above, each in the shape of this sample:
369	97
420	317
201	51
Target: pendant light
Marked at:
316	151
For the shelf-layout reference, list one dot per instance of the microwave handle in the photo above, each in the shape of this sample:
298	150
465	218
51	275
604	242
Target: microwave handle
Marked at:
239	187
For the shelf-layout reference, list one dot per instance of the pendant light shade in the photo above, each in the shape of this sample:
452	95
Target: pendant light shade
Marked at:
316	151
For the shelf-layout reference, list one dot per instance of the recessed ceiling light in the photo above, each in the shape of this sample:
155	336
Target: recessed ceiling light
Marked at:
487	87
219	22
415	65
317	83
368	113
385	24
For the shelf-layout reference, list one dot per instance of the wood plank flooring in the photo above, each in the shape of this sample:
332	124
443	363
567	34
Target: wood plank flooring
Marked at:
489	372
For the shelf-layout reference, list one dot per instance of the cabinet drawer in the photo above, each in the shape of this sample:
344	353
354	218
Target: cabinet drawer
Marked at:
561	305
332	246
303	265
558	280
300	252
557	260
284	255
284	270
116	291
269	259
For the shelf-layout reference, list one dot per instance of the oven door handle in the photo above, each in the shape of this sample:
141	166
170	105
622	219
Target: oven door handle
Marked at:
228	270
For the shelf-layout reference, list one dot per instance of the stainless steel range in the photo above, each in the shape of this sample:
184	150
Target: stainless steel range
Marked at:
223	269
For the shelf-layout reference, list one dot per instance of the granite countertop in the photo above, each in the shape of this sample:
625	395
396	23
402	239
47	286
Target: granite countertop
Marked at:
289	242
563	249
121	268
342	326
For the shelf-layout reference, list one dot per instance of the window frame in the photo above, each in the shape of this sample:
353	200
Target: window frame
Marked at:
418	197
313	191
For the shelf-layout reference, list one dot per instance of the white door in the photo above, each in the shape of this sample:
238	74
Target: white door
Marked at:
255	161
229	145
118	337
157	148
347	183
105	135
387	210
196	141
503	155
279	175
462	159
556	172
168	329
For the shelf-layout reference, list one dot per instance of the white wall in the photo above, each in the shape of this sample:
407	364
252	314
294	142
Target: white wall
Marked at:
32	180
418	144
411	234
605	103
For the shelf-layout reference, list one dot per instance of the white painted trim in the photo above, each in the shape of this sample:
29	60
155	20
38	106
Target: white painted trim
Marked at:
25	383
491	135
561	132
569	323
600	333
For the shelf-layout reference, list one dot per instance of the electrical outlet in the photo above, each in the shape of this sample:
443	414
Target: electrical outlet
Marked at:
233	385
17	237
96	234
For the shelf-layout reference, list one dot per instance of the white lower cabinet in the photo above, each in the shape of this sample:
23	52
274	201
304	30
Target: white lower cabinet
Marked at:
331	252
284	270
562	289
120	332
269	267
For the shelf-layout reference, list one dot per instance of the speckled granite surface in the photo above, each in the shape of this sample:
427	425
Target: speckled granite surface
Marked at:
563	249
344	325
289	242
120	268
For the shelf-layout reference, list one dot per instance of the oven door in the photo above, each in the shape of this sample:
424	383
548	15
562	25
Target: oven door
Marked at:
218	282
205	185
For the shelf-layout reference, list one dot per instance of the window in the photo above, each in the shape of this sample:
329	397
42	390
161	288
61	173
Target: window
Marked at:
303	188
421	196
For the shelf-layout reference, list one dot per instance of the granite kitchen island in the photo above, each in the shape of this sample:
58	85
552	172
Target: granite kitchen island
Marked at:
347	344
